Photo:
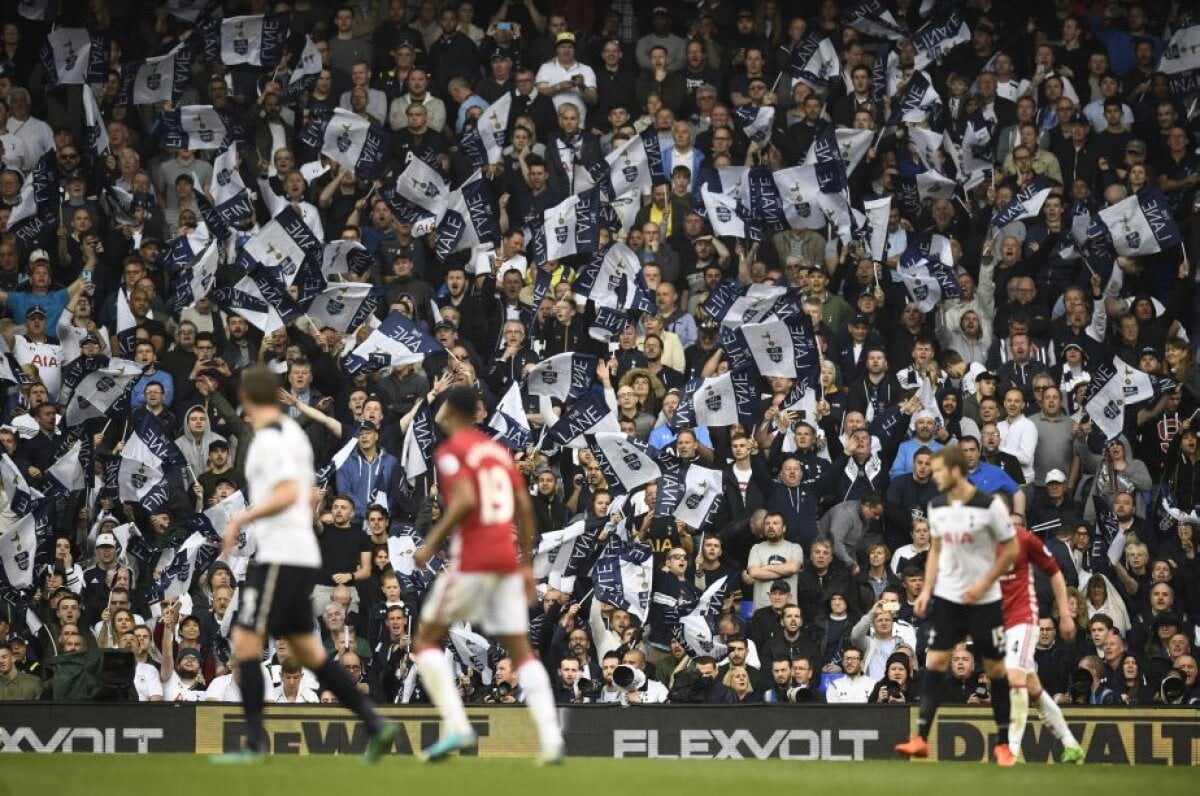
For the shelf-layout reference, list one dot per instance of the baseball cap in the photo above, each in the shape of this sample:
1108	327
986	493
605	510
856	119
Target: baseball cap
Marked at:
499	54
924	414
218	444
780	586
39	254
1078	118
1148	350
405	44
660	9
189	651
745	12
858	319
542	469
564	37
367	425
89	338
444	325
106	540
987	375
36	309
1136	145
403	251
1056	476
1072	344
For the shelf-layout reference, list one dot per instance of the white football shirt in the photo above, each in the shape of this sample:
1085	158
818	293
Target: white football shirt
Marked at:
969	532
280	452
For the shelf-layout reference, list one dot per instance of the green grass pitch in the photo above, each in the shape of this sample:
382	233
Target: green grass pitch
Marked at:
184	775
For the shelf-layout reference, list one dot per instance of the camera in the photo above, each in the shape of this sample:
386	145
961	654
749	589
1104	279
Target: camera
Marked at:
1172	690
1081	685
981	692
799	695
588	689
500	691
629	678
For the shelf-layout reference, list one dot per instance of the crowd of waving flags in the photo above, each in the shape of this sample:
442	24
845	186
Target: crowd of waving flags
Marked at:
762	330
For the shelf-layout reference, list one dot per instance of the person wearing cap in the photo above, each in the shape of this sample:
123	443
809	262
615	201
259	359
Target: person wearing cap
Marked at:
1051	508
861	338
367	471
1077	152
660	35
566	81
499	80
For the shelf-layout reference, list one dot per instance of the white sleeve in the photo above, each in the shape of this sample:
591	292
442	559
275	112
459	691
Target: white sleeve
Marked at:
1002	527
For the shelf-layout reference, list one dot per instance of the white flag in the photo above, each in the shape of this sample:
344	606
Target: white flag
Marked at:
770	344
348	139
202	127
18	546
241	40
701	488
422	185
99	390
626	206
853	146
632	466
800	192
935	185
95	132
629	168
71	49
553	554
755	306
1132	234
722	211
308	68
878	212
493	127
274	248
698	636
155	79
716	401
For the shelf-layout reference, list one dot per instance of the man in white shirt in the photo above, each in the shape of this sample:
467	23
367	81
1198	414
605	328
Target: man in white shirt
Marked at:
563	79
1018	434
854	687
34	134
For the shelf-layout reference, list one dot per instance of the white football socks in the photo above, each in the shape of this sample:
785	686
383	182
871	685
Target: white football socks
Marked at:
539	698
1019	698
1052	717
438	678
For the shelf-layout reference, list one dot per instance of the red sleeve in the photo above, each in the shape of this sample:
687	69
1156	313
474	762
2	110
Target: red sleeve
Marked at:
1040	557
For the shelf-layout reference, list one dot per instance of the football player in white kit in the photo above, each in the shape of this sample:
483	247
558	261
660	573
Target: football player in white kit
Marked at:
973	545
275	593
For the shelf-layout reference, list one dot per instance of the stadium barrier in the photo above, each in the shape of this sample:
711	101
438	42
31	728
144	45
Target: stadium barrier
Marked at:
1132	736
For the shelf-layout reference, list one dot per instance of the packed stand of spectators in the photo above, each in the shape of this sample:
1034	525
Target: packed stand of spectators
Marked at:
804	566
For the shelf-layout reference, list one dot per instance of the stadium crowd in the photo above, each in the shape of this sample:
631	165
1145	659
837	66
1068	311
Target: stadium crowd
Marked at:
934	326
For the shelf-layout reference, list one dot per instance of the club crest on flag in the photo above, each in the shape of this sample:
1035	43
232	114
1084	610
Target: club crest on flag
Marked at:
694	499
343	140
206	134
335	306
630	458
223	177
561	230
154	80
138	478
241	43
70	56
628	169
724	214
713	399
105	384
774	350
549	376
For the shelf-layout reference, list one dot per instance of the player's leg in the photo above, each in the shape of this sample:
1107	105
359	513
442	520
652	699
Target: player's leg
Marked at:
944	633
1052	717
987	636
247	654
1018	653
310	653
254	607
539	695
448	600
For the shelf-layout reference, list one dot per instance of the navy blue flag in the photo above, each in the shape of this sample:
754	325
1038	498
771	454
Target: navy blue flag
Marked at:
879	71
764	200
654	155
872	18
623	576
470	220
1026	203
566	376
145	458
723	400
275	293
827	159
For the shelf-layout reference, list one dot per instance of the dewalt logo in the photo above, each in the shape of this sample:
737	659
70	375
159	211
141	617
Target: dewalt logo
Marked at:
321	730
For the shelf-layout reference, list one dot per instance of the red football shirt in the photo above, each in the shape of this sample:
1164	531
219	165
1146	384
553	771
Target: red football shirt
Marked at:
1017	585
485	541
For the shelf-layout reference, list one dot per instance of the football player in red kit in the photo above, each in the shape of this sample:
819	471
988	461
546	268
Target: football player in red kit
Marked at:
484	583
1021	637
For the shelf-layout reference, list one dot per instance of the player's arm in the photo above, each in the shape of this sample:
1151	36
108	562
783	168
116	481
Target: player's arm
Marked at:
920	607
1006	556
282	496
462	502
